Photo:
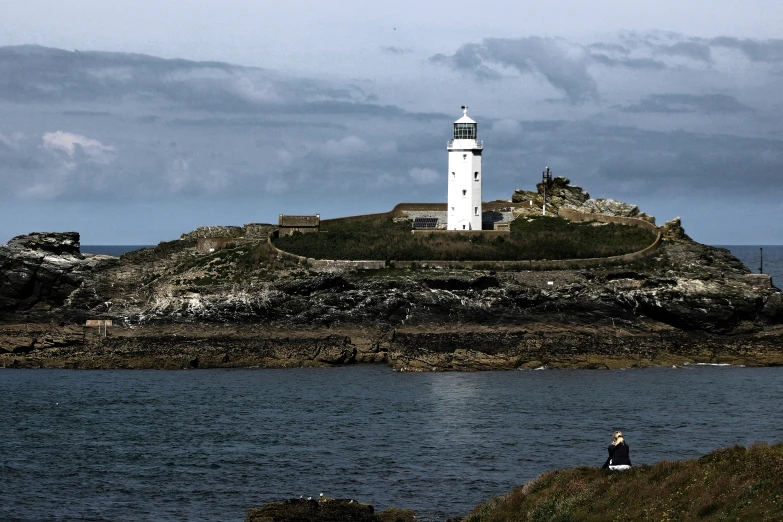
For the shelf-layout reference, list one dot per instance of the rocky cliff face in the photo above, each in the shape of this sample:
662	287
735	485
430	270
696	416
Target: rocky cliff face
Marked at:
40	271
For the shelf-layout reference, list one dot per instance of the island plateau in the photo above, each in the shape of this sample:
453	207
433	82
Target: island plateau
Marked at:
628	294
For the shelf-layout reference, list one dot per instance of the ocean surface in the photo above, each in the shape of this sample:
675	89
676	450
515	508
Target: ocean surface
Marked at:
208	444
751	258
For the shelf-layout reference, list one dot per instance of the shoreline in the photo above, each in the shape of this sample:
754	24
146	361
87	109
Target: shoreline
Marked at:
417	348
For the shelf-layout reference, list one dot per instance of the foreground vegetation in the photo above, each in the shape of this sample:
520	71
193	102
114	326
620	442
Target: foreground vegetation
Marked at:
729	484
380	238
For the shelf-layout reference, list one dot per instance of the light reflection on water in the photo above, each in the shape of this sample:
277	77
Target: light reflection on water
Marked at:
208	444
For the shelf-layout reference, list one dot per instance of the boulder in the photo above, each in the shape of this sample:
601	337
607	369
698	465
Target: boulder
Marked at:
562	193
673	230
611	207
40	270
325	510
58	243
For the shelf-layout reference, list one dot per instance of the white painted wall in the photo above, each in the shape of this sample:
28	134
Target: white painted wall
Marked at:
464	186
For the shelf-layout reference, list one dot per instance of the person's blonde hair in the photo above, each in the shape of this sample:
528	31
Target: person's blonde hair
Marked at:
618	437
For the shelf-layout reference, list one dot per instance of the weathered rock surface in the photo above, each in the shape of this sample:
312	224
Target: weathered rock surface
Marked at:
325	510
672	230
215	232
561	194
40	271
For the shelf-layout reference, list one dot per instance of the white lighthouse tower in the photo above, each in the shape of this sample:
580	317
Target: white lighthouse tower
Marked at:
464	207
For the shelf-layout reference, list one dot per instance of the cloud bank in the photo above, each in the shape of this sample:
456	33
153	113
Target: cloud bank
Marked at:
645	117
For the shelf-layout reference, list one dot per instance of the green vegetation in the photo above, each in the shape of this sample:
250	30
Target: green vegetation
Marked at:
380	238
240	264
728	484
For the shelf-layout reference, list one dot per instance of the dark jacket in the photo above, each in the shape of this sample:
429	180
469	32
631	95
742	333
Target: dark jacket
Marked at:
619	455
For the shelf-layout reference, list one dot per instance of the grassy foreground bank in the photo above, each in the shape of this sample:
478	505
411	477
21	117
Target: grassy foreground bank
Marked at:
736	483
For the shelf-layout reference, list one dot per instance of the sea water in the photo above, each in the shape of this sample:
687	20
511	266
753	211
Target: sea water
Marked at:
751	257
208	444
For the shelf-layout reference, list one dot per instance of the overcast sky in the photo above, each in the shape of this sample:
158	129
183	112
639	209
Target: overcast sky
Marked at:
134	122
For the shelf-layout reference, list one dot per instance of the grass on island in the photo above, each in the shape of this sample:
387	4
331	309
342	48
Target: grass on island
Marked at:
531	238
236	264
729	484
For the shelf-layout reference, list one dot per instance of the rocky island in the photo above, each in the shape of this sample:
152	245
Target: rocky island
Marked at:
228	297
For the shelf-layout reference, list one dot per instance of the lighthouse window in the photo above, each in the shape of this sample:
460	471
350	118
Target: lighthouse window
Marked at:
464	156
453	175
464	131
475	211
464	192
475	176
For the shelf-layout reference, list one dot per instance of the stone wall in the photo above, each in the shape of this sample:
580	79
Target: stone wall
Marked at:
403	209
400	208
540	264
413	214
488	217
473	233
344	264
299	221
259	230
352	219
328	263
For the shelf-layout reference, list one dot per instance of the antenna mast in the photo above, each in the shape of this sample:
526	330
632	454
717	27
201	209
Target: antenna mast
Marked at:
546	180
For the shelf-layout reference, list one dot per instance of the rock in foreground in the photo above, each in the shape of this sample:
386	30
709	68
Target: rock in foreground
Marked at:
325	510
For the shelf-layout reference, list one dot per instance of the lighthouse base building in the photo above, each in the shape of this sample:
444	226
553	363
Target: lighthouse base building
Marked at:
464	192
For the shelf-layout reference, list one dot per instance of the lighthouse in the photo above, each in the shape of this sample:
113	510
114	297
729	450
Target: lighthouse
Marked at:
464	206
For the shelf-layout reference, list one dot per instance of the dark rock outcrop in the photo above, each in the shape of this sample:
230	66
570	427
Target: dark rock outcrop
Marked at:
40	271
673	230
325	510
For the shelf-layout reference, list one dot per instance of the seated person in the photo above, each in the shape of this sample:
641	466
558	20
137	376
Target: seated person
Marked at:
619	457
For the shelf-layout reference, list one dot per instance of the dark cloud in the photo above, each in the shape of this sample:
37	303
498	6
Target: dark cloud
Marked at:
624	162
104	128
469	57
563	64
86	113
688	103
688	49
32	73
151	130
695	48
260	121
630	63
391	49
756	50
608	47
